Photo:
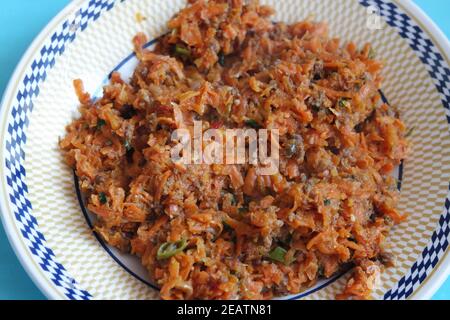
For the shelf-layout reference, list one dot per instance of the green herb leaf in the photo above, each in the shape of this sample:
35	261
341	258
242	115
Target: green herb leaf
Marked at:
100	124
278	254
102	197
320	271
252	123
169	249
127	145
221	60
327	202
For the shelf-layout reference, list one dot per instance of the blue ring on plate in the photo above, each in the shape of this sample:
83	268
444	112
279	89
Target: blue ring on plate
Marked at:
18	121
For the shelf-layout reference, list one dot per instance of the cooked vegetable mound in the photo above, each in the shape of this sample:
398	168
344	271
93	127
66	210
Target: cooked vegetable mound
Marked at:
223	231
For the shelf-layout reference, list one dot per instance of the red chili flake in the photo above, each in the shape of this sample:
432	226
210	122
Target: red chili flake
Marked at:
163	109
216	124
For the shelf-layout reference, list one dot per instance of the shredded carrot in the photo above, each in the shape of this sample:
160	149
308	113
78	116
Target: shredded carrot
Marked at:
225	231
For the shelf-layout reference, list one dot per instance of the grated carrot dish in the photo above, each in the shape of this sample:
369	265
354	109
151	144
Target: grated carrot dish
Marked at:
222	231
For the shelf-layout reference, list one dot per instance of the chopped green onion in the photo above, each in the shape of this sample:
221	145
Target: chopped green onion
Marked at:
278	254
100	124
102	197
327	202
252	123
343	103
182	52
169	249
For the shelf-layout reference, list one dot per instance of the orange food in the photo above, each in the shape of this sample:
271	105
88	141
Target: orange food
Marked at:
223	231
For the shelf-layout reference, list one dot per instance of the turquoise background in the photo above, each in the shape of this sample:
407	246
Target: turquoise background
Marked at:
20	23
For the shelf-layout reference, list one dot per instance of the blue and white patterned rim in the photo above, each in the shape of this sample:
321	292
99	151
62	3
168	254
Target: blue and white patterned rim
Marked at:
440	74
55	46
16	140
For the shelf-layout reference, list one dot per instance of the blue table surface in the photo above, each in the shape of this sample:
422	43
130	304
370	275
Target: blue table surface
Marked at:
20	23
